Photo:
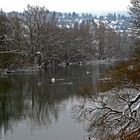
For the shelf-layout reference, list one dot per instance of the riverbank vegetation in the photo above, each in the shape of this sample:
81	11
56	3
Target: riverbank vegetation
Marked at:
111	109
44	39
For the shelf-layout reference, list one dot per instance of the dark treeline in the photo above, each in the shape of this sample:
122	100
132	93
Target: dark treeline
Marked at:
38	33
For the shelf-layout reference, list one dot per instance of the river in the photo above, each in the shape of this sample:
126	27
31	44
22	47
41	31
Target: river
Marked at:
33	107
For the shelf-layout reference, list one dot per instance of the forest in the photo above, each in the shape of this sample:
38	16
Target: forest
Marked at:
40	37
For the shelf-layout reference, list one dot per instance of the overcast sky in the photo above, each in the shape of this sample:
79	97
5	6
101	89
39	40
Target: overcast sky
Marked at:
67	5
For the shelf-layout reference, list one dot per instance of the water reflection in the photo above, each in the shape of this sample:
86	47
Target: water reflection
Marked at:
35	99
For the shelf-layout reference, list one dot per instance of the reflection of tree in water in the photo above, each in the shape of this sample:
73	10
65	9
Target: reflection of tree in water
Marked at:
26	98
34	98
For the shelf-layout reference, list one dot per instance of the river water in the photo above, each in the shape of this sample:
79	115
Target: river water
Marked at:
32	107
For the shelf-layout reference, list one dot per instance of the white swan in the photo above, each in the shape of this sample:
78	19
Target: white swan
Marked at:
53	80
88	72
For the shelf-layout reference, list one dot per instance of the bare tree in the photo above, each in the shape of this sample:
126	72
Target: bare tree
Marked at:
34	19
106	43
116	112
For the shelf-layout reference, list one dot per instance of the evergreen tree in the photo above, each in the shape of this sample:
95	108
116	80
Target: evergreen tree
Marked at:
135	15
135	12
